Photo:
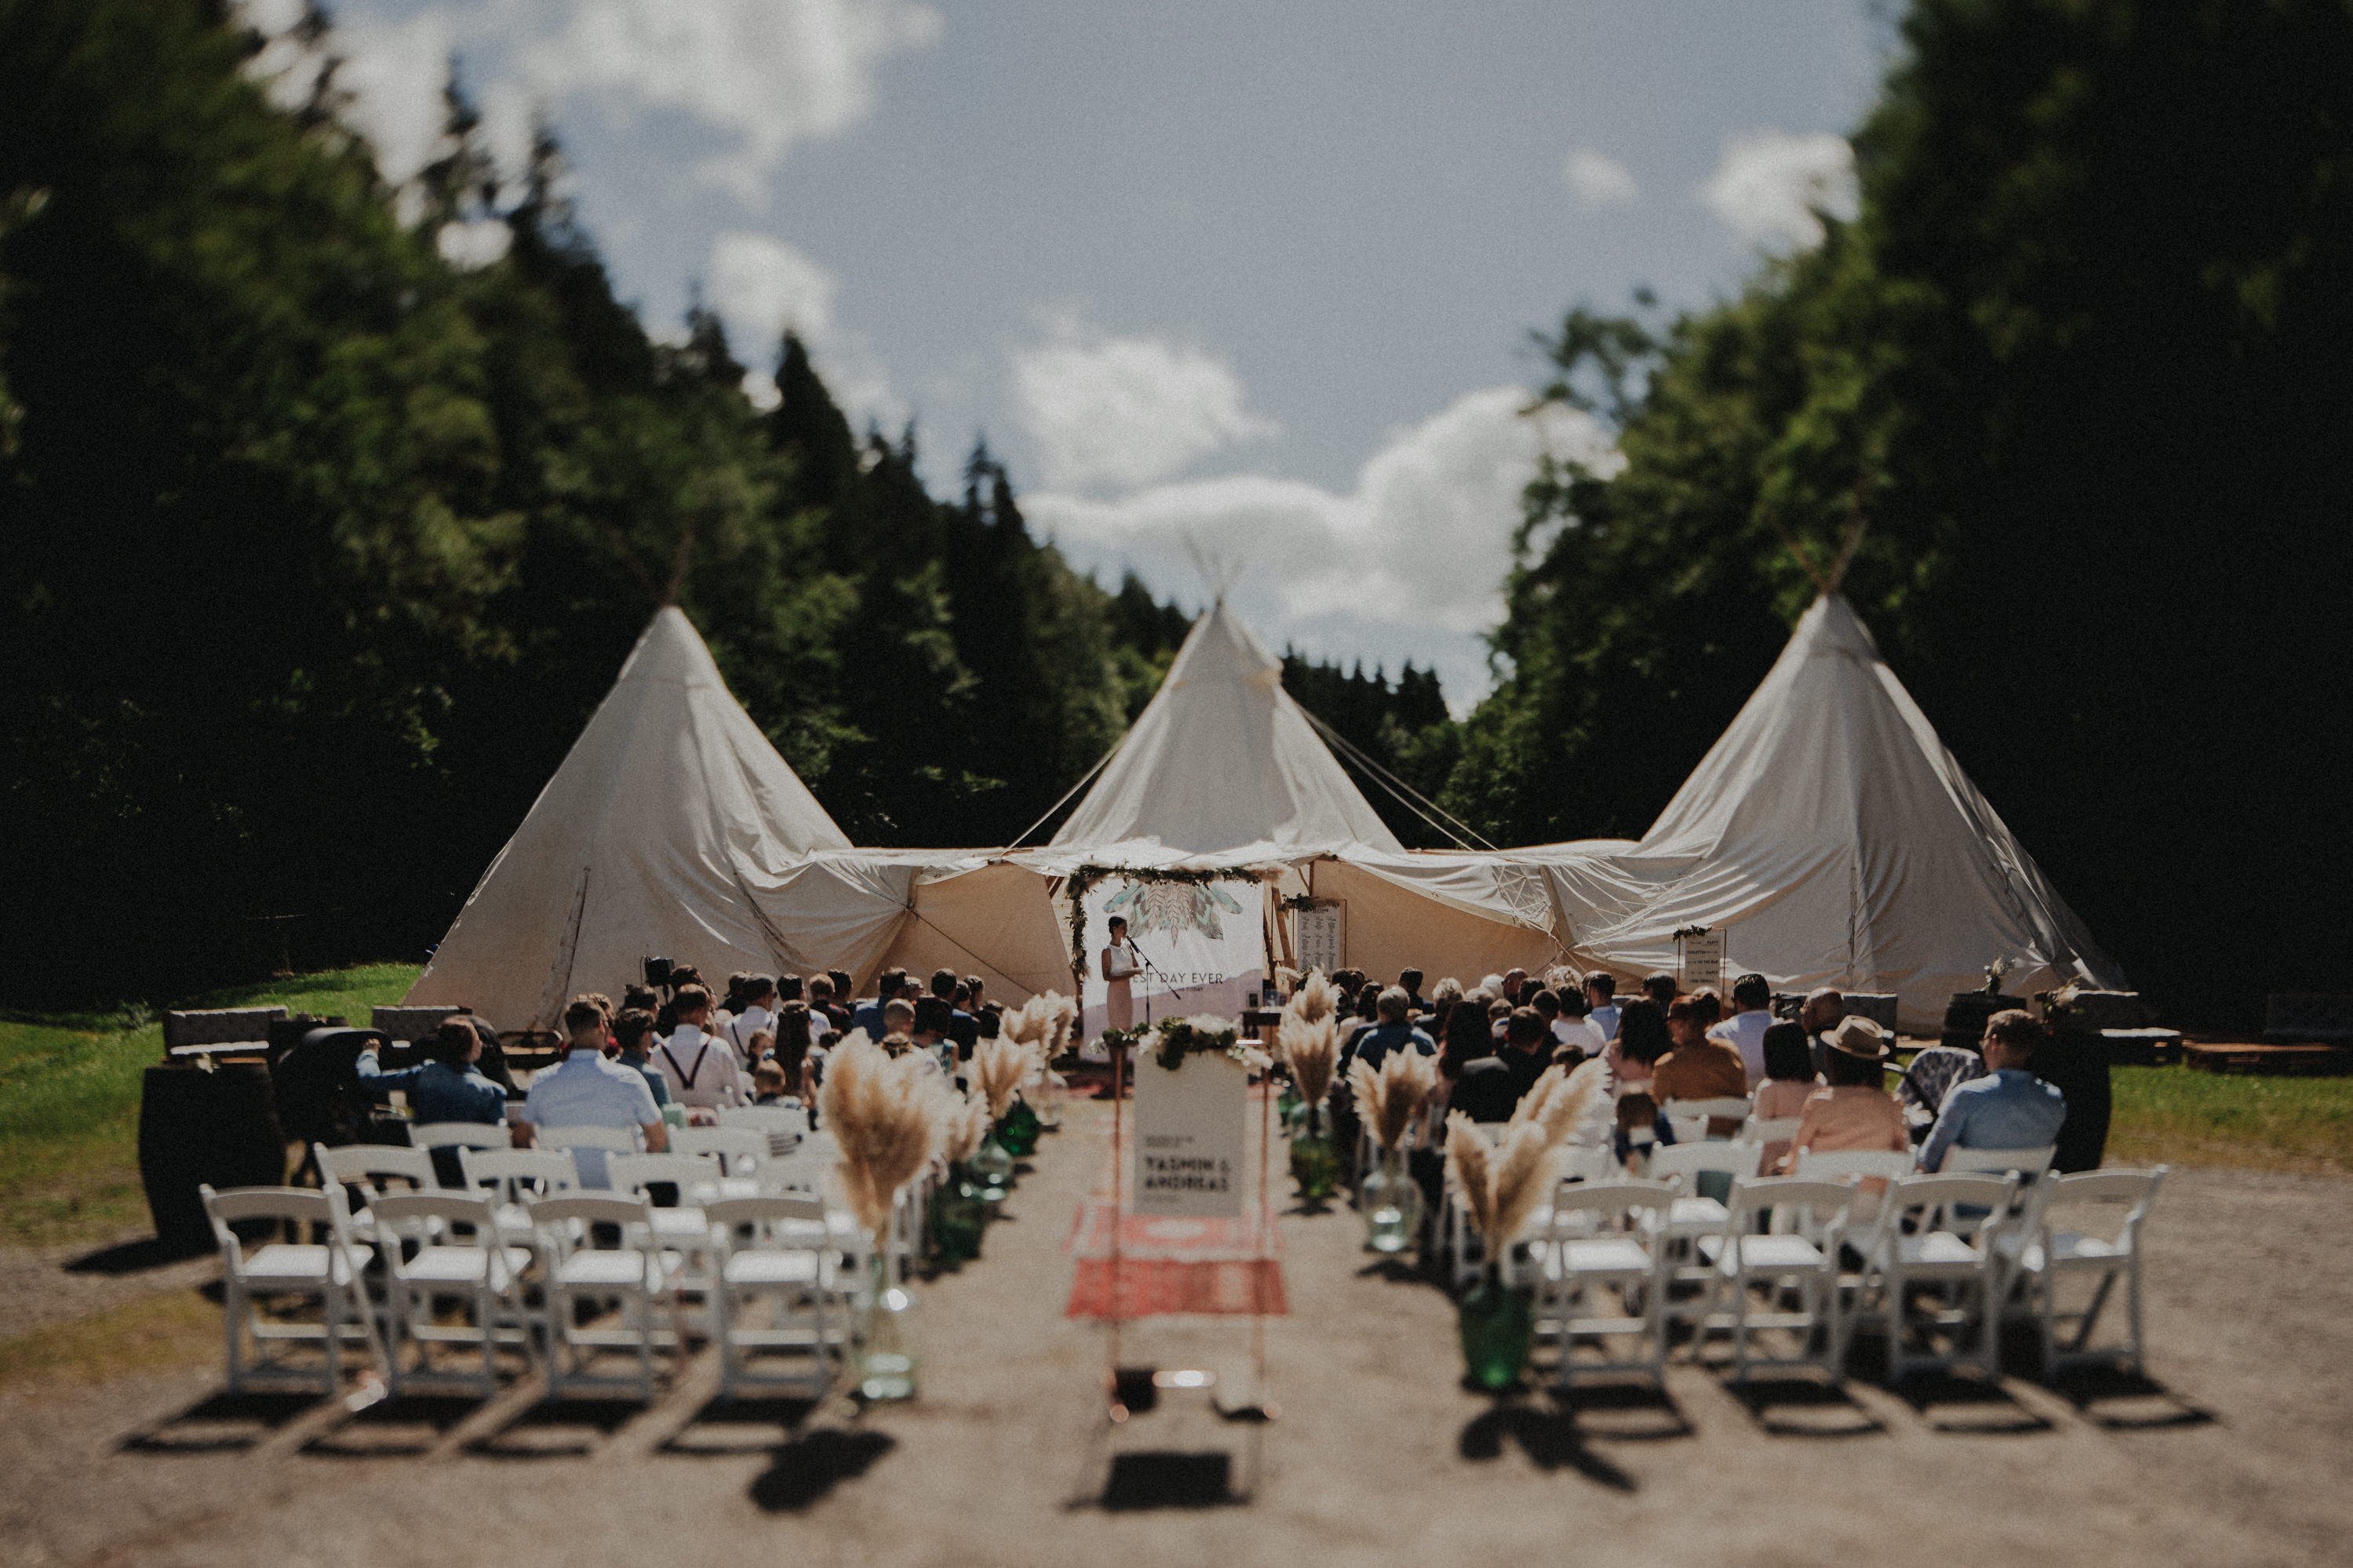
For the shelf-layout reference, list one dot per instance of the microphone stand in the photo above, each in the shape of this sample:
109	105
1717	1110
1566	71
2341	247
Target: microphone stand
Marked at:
1146	966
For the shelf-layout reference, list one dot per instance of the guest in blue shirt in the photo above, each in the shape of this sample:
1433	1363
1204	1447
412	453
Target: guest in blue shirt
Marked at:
629	1031
2009	1107
1393	1032
446	1089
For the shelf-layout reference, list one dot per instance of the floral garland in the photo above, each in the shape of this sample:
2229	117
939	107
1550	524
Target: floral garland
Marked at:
1086	877
1174	1040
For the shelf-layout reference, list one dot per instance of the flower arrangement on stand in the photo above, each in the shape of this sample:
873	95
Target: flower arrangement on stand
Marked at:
1308	1040
888	1118
958	1212
998	1069
1389	1098
1501	1185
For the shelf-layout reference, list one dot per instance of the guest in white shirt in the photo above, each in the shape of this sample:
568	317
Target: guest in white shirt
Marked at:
1600	1001
1752	1002
1575	1027
700	1069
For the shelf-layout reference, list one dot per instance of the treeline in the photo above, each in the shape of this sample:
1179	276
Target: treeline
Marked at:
322	548
2080	366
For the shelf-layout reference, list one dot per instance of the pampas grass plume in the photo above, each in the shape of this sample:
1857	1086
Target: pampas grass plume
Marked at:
1000	1067
1313	1051
886	1118
1390	1097
963	1123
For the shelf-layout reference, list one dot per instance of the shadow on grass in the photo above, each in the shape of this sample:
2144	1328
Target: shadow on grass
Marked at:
1550	1438
220	1422
137	1256
805	1469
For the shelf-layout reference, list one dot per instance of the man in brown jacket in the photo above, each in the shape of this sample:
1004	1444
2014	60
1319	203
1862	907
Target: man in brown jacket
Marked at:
1699	1067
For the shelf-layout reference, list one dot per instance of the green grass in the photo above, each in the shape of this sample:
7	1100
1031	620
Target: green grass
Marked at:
69	1099
2184	1118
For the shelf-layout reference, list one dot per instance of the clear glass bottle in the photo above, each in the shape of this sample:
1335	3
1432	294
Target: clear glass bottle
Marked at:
1391	1201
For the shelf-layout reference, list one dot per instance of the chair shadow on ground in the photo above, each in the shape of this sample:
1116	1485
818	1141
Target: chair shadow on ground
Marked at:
1800	1407
220	1422
407	1426
2149	1405
137	1256
1548	1435
740	1426
1950	1403
1142	1481
566	1428
805	1469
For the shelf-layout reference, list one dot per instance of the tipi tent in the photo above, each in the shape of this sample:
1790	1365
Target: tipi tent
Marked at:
671	828
1837	841
1223	770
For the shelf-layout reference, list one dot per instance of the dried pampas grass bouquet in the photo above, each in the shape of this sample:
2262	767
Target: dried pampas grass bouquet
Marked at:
887	1119
998	1069
1391	1096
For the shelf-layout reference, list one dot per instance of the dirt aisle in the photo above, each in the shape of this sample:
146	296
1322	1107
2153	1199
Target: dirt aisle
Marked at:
1379	1456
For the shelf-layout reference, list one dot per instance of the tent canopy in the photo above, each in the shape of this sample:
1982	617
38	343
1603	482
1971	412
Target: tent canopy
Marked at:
671	828
1838	841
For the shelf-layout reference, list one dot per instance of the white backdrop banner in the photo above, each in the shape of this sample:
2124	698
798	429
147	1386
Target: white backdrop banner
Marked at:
1205	944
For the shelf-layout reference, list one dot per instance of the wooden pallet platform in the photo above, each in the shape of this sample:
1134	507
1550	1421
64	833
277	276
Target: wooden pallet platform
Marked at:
2276	1061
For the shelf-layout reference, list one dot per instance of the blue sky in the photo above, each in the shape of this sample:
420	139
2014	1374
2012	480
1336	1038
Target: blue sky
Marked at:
1245	282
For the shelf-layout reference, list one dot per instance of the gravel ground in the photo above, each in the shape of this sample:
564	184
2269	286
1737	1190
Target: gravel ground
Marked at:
2237	1456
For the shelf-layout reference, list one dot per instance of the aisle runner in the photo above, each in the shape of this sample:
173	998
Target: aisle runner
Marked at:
1211	1265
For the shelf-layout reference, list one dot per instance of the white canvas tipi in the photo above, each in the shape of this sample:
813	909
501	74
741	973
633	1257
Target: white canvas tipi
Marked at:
1223	764
1836	841
673	828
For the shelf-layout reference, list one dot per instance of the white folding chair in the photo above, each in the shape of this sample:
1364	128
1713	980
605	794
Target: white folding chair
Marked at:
369	1171
1767	1130
328	1270
775	1250
741	1150
784	1126
459	1135
1937	1234
1694	1215
2085	1228
1619	1249
517	1178
2029	1163
1803	1262
1725	1108
577	1273
1875	1167
442	1246
589	1147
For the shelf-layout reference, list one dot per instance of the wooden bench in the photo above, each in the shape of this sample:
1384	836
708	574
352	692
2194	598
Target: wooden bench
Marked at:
219	1032
2270	1061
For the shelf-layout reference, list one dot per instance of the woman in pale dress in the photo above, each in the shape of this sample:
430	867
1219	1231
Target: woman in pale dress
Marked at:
1119	967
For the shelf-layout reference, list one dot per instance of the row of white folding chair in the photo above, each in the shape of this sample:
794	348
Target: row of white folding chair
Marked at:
1690	1118
1937	1236
2082	1229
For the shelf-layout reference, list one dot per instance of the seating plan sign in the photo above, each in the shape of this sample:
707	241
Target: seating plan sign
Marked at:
1703	956
1323	936
1189	1138
1204	943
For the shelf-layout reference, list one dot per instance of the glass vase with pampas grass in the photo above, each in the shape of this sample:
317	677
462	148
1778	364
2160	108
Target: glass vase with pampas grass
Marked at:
1308	1040
1389	1098
889	1118
1503	1183
958	1214
997	1070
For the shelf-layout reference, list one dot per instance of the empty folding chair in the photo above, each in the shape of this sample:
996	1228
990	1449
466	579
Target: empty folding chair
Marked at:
1696	1215
453	1252
1728	1108
578	1274
742	1151
328	1269
368	1171
1802	1262
1617	1251
1936	1235
1761	1129
783	1125
2083	1231
515	1179
776	1252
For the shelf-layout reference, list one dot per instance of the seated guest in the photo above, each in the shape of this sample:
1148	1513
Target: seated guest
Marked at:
1481	1080
1853	1111
768	1085
1698	1068
639	998
585	1089
963	1024
1662	988
2009	1107
756	1001
1822	1012
1641	1126
825	1018
1393	1031
1789	1082
631	1032
898	1018
1752	1014
1642	1039
446	1089
700	1067
1601	1003
837	1001
1409	982
1574	1028
1515	981
795	1022
789	989
934	1018
896	1045
793	1061
868	1015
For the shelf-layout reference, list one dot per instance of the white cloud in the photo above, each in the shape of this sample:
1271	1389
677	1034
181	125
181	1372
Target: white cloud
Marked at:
1410	561
768	72
761	286
396	75
472	246
1125	411
1598	179
1768	184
